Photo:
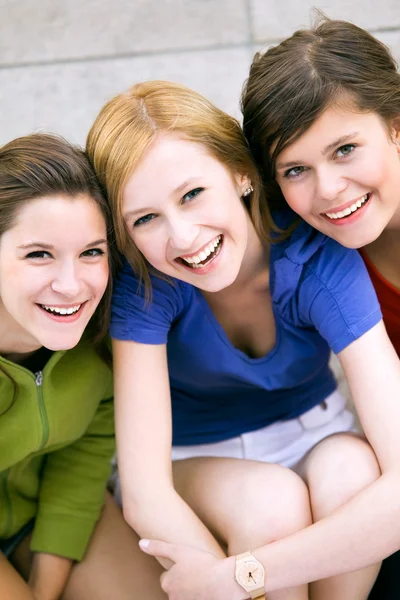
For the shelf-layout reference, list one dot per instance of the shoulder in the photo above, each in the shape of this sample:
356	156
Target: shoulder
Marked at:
303	243
319	283
127	285
81	369
132	311
308	254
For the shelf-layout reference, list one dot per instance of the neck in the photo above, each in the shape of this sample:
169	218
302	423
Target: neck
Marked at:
394	223
254	270
256	259
15	340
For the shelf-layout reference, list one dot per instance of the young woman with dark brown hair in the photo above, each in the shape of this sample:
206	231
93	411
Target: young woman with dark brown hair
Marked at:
322	118
61	534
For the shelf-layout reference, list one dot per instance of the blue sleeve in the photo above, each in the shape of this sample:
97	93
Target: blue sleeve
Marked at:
336	296
135	319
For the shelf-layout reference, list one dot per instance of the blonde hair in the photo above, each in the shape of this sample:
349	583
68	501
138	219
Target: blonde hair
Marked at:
128	124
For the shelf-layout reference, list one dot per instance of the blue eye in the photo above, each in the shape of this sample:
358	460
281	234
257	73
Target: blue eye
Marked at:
293	172
345	150
192	194
144	220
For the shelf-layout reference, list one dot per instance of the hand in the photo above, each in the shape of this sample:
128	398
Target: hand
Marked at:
196	574
49	575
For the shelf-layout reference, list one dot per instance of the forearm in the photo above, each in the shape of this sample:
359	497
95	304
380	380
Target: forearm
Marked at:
49	576
360	533
164	515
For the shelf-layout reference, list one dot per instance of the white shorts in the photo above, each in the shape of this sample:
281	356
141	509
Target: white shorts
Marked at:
285	442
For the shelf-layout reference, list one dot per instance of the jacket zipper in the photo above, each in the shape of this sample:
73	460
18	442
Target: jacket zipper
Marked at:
45	436
7	503
42	410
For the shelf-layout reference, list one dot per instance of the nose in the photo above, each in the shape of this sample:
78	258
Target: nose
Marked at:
67	280
330	184
182	233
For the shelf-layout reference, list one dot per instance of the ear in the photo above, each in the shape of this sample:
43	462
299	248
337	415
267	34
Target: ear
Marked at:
395	132
243	183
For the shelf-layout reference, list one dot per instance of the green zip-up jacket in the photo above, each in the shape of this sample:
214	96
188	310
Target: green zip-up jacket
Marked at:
56	444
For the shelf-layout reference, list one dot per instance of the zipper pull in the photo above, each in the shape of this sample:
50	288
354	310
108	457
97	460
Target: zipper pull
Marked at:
39	378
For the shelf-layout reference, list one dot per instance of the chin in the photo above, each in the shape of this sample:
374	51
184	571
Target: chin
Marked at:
61	344
354	242
212	289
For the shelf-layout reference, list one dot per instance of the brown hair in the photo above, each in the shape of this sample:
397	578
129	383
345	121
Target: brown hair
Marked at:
131	121
41	165
290	85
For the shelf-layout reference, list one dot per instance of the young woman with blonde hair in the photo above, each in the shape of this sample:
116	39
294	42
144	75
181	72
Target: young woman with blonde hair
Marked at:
221	345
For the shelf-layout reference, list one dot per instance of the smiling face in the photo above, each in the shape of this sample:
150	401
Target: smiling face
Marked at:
53	273
342	176
183	211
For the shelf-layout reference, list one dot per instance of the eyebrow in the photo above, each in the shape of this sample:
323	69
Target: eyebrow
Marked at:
133	213
50	247
185	184
338	142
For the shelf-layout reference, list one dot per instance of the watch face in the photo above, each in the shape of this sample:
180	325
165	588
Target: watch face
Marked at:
250	574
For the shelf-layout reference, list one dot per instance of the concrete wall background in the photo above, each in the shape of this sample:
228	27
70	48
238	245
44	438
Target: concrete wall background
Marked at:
60	60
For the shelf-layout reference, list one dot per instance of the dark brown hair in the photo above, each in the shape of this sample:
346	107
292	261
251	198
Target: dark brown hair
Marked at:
290	85
42	165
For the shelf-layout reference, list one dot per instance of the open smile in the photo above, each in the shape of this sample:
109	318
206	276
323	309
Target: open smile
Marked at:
205	256
64	313
349	210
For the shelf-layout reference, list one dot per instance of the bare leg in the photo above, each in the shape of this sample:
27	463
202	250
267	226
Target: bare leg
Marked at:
336	470
245	504
113	568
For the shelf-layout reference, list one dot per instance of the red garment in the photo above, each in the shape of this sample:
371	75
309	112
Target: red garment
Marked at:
389	298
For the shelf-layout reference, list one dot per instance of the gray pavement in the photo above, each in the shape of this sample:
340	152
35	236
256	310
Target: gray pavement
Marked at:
60	60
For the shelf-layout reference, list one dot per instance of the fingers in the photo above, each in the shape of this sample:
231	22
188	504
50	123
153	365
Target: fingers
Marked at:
163	582
160	549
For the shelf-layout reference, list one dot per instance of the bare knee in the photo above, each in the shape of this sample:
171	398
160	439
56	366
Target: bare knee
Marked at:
337	469
273	502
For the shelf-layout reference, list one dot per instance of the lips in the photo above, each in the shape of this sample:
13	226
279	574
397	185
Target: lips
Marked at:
204	256
63	313
349	210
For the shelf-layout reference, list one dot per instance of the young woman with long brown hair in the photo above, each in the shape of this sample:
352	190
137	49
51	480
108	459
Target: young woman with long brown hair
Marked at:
61	534
322	117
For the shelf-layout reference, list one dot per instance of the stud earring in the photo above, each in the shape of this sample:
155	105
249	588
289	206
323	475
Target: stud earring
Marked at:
247	192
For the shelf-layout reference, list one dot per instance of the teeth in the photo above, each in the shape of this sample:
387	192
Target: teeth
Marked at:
62	311
195	260
350	209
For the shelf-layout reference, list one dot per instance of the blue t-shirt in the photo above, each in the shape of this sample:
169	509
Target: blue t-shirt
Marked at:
322	298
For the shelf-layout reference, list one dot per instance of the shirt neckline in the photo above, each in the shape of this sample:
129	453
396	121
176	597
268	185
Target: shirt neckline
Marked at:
378	274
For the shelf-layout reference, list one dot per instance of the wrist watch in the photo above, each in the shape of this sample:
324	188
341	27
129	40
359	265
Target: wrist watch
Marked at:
250	575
